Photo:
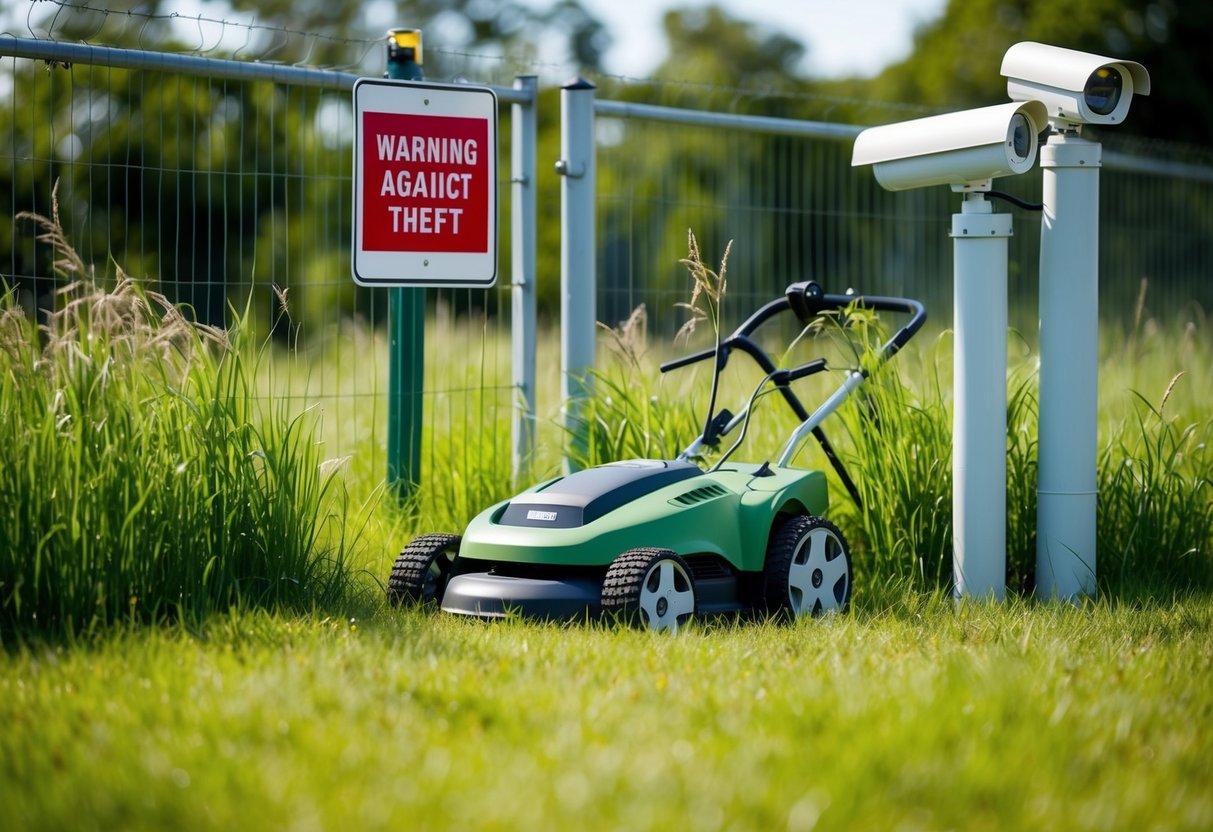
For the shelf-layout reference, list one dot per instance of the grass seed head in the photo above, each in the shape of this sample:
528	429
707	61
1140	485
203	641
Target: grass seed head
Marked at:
706	285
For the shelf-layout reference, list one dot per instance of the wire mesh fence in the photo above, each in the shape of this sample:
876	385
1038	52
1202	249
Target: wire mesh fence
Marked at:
795	209
232	197
235	194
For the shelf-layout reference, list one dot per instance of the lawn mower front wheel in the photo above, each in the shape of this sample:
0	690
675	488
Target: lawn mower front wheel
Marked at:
652	588
808	568
422	569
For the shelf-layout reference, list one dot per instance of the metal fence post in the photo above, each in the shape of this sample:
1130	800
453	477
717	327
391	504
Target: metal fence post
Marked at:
406	323
524	136
577	261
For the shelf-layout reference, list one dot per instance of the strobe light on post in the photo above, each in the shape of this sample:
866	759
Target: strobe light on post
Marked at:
1077	88
967	150
404	57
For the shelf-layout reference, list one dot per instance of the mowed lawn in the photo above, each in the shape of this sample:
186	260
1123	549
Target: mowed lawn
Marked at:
917	715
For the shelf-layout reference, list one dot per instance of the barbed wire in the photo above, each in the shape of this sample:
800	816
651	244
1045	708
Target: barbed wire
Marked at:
796	91
247	38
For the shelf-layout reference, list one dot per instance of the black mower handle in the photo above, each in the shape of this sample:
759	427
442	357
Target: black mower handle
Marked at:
782	377
807	300
687	359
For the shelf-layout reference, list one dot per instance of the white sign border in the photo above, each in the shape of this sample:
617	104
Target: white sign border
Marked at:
372	268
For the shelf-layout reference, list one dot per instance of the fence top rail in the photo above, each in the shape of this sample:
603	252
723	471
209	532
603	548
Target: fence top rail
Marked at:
1112	160
1154	166
220	68
754	124
233	70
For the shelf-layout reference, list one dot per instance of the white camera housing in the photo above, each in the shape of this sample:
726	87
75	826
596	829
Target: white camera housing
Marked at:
966	148
1076	87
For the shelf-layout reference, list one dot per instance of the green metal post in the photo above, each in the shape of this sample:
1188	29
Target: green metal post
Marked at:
406	323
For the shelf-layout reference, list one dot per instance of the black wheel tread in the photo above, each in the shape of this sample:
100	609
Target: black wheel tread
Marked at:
624	582
780	552
407	580
621	587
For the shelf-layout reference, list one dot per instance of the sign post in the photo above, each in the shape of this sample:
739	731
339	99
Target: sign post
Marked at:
425	215
406	321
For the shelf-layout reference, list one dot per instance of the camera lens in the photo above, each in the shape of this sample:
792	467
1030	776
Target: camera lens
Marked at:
1019	136
1102	92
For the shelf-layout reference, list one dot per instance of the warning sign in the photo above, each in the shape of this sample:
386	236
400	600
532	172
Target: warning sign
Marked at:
425	184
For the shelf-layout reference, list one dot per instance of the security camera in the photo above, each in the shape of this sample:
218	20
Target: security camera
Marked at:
1076	87
959	149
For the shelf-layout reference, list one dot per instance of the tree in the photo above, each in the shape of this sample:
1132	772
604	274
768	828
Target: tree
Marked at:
708	46
956	59
207	185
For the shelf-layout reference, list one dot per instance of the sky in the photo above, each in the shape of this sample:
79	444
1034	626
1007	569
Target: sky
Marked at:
842	37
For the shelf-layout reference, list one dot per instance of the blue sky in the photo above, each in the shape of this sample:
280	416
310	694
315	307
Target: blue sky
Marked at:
843	37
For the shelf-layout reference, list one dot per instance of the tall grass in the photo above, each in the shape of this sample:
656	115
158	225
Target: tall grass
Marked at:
1155	467
147	471
623	420
141	477
1155	506
1156	500
1022	409
897	444
466	432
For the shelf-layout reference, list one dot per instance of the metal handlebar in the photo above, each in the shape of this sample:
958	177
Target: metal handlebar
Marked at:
806	300
781	377
687	360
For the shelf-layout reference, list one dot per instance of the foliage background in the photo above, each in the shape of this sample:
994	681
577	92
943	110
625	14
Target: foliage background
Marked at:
220	189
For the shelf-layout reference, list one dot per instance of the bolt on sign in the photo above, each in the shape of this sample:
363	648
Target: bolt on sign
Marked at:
425	184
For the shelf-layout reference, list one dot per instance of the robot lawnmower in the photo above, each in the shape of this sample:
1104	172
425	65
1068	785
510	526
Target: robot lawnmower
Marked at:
659	541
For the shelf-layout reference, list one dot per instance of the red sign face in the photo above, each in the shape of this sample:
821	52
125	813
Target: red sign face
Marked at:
426	183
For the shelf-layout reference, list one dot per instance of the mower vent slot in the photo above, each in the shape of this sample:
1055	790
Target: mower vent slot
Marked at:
700	495
709	567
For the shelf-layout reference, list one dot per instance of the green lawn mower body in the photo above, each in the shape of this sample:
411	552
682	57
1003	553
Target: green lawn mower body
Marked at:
659	541
546	551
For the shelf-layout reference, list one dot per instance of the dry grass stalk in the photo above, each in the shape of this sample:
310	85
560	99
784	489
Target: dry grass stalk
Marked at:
67	261
122	318
629	340
708	286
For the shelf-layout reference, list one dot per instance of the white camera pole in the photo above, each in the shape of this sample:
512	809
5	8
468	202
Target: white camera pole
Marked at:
967	150
1069	367
979	426
1077	88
